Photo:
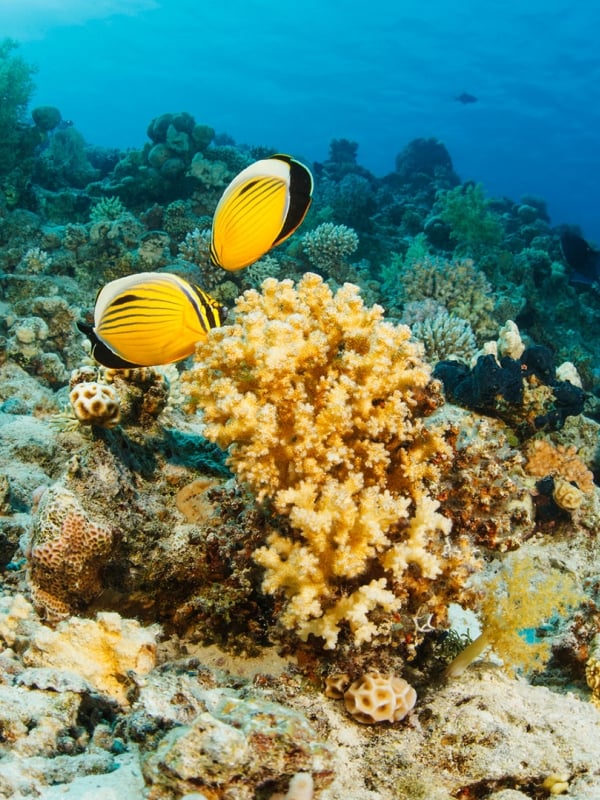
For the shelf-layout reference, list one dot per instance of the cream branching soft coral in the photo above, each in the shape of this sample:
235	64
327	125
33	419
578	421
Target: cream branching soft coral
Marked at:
323	404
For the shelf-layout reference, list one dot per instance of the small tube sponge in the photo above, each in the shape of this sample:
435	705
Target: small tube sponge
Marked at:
375	697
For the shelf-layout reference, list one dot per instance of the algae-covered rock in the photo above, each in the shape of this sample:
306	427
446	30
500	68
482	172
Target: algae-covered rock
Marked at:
106	651
234	747
46	117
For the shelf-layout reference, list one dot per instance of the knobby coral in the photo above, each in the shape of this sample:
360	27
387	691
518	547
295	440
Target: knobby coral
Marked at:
457	285
328	247
445	335
324	405
375	697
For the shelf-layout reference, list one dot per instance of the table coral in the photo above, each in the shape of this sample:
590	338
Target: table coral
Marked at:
324	405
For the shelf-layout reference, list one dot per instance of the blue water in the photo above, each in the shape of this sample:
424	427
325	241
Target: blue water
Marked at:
295	75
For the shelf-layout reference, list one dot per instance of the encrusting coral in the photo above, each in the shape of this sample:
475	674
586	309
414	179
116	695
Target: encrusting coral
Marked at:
106	651
487	493
562	473
66	553
323	404
562	462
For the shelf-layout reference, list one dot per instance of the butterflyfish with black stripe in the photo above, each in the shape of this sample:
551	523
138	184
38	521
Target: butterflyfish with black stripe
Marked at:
260	208
149	319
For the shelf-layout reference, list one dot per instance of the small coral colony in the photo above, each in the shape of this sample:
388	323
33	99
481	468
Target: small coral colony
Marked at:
333	428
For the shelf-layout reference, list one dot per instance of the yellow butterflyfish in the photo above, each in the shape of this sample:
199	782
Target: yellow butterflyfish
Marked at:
149	319
260	208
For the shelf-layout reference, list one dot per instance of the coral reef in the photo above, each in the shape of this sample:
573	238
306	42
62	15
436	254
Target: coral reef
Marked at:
348	196
35	260
142	394
233	748
211	174
358	513
324	404
107	209
472	225
123	528
195	248
266	267
487	494
65	162
457	285
523	391
424	157
40	337
445	335
544	459
16	86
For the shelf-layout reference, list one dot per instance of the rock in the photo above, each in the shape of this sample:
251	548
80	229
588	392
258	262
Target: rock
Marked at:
233	748
46	117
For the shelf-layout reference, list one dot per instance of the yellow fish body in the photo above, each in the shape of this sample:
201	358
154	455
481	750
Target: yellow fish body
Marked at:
260	208
149	319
